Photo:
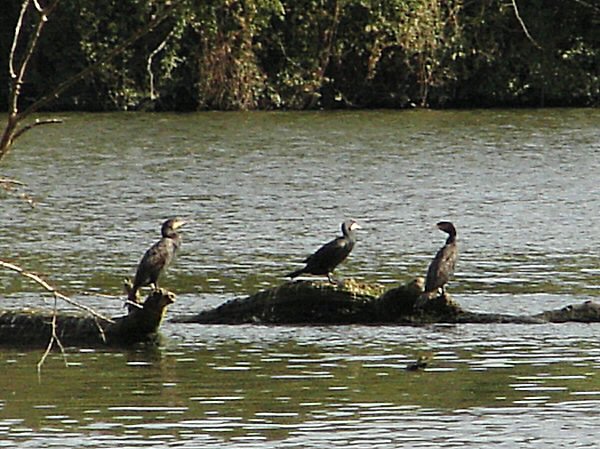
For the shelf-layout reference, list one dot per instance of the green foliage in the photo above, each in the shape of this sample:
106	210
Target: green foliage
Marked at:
229	76
408	48
503	67
249	54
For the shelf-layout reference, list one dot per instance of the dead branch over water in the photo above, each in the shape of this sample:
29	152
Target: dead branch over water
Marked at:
51	289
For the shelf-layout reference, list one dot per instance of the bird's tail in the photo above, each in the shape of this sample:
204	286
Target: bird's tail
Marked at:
295	274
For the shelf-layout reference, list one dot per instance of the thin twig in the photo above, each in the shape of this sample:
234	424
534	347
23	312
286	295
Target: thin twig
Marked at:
589	5
133	303
38	122
52	290
100	330
525	30
53	339
38	6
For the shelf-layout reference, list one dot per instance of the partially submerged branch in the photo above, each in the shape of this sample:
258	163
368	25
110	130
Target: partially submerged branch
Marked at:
12	185
53	339
40	327
32	327
56	293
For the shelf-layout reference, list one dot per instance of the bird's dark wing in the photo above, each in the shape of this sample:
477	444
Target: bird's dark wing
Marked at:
449	260
154	261
441	268
328	256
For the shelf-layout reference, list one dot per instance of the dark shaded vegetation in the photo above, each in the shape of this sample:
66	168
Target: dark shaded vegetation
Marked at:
267	54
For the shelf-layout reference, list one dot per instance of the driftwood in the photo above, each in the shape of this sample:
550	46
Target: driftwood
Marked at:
31	327
351	302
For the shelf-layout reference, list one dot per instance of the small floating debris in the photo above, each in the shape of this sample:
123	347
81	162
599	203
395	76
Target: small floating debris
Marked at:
419	364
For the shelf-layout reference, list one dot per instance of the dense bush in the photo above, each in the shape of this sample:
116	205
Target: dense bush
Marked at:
249	54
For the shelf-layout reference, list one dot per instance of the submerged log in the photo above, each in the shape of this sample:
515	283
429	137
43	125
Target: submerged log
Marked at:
299	302
351	302
33	327
318	302
587	312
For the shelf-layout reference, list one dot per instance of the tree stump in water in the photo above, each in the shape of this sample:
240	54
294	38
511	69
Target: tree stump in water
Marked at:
31	327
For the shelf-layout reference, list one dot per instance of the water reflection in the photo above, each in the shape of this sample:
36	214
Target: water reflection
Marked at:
312	387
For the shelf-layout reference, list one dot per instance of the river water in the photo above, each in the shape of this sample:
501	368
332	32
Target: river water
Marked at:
264	190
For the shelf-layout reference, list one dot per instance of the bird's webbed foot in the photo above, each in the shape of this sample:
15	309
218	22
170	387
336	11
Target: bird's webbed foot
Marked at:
333	280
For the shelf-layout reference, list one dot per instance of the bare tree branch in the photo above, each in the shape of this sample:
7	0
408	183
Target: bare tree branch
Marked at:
17	74
157	50
525	30
31	47
37	122
37	6
48	287
13	47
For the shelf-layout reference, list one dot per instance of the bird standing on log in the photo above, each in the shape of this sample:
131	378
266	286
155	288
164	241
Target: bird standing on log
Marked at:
442	266
330	255
157	258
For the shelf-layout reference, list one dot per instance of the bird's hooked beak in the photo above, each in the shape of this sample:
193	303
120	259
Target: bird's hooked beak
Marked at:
354	226
179	223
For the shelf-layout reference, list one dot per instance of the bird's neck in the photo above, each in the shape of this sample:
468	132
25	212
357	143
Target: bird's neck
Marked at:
451	239
174	237
350	235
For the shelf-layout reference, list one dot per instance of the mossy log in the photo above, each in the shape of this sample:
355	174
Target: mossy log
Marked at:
587	312
351	302
317	302
33	327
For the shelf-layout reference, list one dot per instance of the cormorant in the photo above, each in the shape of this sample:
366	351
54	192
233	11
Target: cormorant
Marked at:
330	255
442	266
157	258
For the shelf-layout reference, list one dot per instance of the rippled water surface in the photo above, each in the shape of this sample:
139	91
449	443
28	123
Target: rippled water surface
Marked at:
263	190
